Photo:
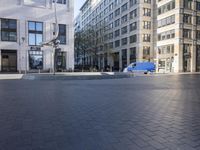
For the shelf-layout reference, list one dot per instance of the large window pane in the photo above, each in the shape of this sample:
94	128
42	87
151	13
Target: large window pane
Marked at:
12	24
4	24
9	30
13	36
31	25
62	34
35	60
38	39
35	33
39	27
31	39
4	36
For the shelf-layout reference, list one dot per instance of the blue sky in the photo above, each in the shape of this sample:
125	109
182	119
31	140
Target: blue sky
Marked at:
77	6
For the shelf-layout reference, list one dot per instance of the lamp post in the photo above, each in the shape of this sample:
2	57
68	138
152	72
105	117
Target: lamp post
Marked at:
21	56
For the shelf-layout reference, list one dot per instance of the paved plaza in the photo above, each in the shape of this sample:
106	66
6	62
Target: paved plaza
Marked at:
140	113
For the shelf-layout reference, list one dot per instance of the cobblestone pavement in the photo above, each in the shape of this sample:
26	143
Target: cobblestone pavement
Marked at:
142	113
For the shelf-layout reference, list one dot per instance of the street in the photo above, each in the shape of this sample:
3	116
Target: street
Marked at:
141	113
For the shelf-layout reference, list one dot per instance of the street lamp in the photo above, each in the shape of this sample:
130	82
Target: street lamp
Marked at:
21	57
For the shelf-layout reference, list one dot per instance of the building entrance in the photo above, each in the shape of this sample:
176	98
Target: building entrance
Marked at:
186	58
8	60
198	58
116	61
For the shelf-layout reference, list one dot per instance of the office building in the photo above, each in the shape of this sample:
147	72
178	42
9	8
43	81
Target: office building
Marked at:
166	32
24	24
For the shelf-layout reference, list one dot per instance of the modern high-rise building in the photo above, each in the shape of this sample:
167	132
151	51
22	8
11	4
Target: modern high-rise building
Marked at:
24	24
125	27
166	32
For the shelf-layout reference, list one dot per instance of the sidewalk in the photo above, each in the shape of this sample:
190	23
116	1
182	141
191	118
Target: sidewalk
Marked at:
11	76
84	75
66	76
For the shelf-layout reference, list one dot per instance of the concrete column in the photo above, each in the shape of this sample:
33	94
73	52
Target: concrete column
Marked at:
180	59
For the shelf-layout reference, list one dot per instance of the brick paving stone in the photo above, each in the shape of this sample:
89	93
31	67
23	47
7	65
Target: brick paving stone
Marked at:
141	113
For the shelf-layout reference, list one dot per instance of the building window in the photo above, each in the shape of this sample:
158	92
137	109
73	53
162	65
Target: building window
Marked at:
146	12
124	7
147	1
166	35
198	6
146	53
124	58
187	18
37	3
117	12
111	7
161	63
124	19
198	35
117	43
132	2
117	33
166	49
198	20
166	21
35	33
146	37
35	60
9	30
117	22
198	57
132	54
133	38
110	45
146	50
62	34
124	30
146	24
133	14
167	7
110	35
133	26
187	33
111	16
60	1
188	4
124	41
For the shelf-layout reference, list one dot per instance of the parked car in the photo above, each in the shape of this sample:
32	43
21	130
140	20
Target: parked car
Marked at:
144	67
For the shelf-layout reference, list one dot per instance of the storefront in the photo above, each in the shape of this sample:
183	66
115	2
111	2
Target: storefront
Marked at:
165	65
60	61
116	61
8	60
198	58
187	57
35	60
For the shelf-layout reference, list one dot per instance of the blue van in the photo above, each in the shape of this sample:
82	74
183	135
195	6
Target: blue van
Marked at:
141	67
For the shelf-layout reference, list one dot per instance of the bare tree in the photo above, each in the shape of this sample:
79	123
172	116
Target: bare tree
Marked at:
89	42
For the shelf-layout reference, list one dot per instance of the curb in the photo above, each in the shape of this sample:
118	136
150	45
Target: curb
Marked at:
77	77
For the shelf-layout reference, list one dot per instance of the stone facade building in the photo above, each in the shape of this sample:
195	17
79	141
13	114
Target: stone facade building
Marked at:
166	32
127	34
24	24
